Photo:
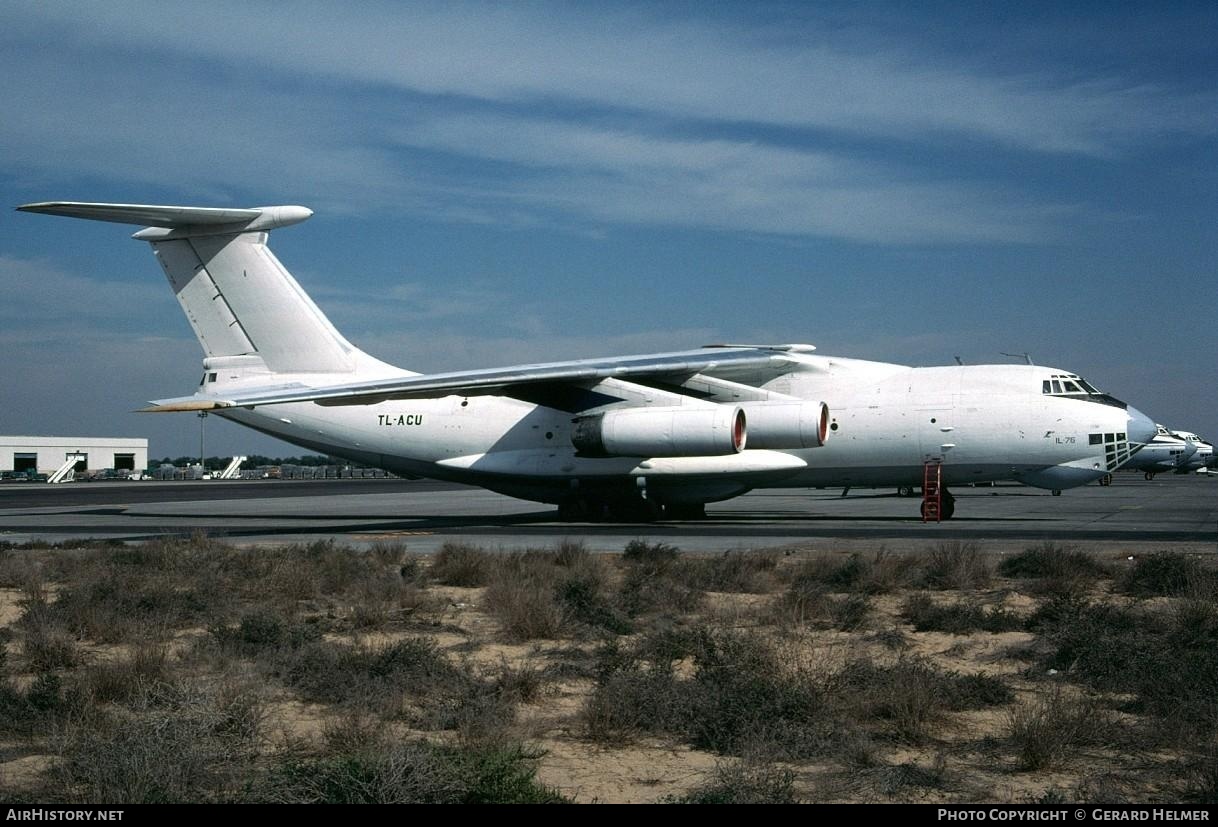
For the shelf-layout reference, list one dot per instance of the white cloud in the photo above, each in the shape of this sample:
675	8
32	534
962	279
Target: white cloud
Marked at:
619	176
633	59
39	301
347	109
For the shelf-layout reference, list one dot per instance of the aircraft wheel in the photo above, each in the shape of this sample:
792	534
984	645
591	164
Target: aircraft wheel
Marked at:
595	511
685	511
570	512
905	491
633	510
947	507
1106	479
1150	475
1057	492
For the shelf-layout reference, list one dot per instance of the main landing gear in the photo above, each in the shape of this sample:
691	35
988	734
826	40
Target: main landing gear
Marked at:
636	509
1149	475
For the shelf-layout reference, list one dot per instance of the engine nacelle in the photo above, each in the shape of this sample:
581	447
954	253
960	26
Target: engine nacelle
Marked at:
787	424
661	432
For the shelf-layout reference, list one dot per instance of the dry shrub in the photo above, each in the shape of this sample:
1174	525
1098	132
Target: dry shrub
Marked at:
743	782
1169	574
911	696
745	696
353	730
540	593
123	678
958	565
657	581
897	781
1044	732
1054	564
1167	657
959	618
740	572
462	564
880	573
523	597
409	773
173	744
809	602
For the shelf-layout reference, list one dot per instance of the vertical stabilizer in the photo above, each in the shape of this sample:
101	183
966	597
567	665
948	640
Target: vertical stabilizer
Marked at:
240	300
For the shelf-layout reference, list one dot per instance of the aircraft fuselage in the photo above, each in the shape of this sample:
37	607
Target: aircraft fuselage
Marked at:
983	423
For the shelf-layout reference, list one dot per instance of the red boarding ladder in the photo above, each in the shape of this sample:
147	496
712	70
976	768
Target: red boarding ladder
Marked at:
932	491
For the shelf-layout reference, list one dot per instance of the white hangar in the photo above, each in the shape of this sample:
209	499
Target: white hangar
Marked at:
45	454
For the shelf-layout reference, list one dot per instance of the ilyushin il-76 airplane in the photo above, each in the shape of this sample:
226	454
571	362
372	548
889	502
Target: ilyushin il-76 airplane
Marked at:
628	438
1181	452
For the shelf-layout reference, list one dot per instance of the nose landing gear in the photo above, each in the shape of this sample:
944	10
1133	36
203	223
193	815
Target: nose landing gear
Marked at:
947	507
937	502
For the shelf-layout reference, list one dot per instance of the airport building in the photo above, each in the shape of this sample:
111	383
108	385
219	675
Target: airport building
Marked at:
46	454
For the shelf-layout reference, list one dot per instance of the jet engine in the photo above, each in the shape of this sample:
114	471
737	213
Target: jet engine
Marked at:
787	424
661	432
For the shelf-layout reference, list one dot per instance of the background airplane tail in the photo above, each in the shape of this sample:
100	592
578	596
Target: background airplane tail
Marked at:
239	298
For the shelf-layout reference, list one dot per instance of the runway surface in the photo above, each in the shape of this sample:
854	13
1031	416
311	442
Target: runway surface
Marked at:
1132	514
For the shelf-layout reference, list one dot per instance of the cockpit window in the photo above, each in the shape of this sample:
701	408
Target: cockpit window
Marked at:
1072	386
1068	384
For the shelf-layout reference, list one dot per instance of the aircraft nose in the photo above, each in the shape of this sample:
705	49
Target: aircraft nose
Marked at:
1141	429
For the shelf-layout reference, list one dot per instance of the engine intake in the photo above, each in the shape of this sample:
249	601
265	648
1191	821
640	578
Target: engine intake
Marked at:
661	432
787	424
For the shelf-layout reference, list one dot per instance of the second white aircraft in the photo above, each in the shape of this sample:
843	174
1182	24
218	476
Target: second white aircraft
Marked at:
632	437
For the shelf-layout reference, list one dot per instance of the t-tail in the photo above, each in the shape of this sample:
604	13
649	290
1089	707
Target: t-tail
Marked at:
244	306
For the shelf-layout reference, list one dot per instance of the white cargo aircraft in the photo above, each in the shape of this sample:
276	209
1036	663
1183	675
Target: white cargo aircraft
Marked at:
631	437
1203	459
1177	451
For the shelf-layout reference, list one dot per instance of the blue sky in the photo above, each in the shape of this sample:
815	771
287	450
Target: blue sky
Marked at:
500	183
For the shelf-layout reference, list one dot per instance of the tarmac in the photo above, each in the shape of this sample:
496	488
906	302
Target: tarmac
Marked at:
1131	516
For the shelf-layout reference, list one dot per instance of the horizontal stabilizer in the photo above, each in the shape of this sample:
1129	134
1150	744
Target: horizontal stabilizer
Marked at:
185	220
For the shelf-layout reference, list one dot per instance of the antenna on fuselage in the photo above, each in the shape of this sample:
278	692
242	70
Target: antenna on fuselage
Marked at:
1026	358
959	361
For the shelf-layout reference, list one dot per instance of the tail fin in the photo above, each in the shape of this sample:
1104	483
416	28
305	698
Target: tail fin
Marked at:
239	299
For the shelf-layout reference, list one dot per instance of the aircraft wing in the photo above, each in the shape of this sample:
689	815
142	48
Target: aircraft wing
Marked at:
495	380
